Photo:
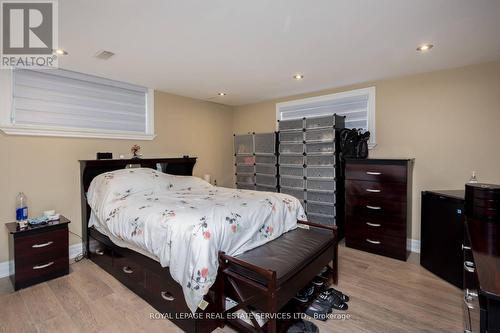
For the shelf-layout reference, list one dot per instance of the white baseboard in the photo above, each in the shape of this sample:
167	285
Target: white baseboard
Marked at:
4	269
413	245
74	251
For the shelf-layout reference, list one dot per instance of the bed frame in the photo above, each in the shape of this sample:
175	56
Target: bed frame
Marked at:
145	276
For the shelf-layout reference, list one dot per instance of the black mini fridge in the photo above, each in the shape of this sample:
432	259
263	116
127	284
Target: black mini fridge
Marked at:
442	236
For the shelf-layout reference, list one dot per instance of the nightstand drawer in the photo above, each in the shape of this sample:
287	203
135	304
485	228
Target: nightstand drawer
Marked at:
38	253
48	243
39	267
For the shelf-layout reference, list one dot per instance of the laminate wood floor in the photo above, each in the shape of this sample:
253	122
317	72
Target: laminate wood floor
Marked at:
386	296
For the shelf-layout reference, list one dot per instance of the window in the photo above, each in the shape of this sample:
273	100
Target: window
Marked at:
58	102
357	105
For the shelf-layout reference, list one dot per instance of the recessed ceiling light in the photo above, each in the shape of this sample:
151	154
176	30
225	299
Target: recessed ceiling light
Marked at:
60	52
425	47
104	55
222	94
298	76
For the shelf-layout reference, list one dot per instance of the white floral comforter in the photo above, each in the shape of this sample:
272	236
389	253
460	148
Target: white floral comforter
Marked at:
185	221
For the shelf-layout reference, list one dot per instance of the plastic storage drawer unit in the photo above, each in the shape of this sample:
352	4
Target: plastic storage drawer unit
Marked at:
292	182
291	160
294	124
265	169
320	148
245	179
320	122
245	169
266	180
291	148
320	208
323	196
321	135
243	144
325	172
292	136
265	143
297	171
266	188
321	185
294	192
321	219
320	160
265	159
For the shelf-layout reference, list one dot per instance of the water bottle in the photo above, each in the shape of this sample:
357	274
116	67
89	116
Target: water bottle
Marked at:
21	207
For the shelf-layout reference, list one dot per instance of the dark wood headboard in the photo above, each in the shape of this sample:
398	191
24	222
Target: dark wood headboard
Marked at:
89	169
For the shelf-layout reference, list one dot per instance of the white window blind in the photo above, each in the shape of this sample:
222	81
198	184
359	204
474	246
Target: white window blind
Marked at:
357	105
66	102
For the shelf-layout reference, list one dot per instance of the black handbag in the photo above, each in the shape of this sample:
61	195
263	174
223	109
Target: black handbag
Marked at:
354	143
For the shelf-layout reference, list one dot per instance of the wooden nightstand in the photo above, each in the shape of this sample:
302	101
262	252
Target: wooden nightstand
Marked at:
38	253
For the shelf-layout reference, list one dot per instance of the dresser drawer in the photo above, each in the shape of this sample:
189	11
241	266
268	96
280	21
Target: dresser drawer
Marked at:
376	226
376	190
49	244
386	245
376	172
375	207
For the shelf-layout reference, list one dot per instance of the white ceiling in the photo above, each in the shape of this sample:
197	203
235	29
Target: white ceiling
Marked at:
251	48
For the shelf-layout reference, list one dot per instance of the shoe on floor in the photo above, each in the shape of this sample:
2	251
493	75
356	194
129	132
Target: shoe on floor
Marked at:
318	310
305	294
318	281
303	326
331	300
340	294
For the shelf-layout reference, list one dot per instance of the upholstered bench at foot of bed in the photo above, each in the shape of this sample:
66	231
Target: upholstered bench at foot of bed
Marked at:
268	277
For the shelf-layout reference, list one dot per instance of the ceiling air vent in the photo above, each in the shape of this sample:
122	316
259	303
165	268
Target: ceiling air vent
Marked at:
104	55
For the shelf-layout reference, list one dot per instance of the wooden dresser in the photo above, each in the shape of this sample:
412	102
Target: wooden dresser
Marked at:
38	253
378	205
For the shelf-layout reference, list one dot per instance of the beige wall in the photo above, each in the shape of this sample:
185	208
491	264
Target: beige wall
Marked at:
449	121
47	170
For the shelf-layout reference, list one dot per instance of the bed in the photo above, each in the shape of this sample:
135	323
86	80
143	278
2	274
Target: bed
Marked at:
161	232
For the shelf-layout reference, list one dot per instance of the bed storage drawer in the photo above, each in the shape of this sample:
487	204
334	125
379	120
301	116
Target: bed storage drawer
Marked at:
100	253
166	296
128	271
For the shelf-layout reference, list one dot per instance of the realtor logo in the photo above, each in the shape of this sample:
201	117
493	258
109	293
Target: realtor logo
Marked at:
29	34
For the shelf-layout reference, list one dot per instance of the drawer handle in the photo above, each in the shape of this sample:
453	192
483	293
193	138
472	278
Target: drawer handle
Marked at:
469	266
127	270
43	266
373	191
469	305
374	207
372	241
373	224
36	246
465	247
470	294
99	252
373	173
167	296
